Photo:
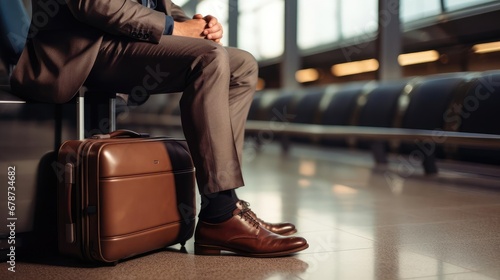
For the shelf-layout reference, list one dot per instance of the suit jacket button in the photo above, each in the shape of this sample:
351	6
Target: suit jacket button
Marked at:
146	36
134	34
139	35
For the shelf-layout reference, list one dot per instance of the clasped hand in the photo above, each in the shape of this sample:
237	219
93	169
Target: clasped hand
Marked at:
205	27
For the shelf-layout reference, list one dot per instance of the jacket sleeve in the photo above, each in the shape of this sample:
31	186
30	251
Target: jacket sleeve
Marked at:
178	14
120	17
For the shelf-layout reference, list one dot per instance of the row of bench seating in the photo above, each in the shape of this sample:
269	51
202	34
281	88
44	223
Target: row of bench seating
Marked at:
445	116
451	116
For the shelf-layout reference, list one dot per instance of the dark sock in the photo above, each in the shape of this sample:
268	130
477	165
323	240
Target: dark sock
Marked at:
218	207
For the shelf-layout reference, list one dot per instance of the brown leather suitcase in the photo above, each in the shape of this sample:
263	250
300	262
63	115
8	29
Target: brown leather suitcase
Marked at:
124	194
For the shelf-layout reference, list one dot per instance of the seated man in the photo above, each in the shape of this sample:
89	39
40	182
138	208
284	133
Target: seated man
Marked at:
153	47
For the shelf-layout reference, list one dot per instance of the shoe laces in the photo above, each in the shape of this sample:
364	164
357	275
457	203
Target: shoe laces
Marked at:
245	214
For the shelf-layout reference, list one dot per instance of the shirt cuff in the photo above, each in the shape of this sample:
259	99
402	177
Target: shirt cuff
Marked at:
169	25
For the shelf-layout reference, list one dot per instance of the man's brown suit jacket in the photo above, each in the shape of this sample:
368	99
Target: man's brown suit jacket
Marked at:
65	37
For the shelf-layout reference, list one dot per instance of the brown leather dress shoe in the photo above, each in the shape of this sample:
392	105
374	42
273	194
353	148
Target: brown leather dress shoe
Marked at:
278	228
242	234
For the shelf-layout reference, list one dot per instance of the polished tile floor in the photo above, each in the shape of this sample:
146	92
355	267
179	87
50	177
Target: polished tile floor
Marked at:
361	222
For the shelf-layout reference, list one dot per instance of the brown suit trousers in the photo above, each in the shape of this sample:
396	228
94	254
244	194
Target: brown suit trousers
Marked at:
217	84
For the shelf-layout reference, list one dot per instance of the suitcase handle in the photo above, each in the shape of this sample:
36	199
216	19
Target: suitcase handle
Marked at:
121	133
68	217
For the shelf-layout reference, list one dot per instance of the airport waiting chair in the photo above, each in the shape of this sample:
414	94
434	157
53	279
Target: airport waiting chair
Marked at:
480	112
274	107
263	104
340	109
379	108
307	110
428	102
253	113
279	110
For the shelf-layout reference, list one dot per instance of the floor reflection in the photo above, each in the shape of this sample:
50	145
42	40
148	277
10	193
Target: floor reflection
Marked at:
361	222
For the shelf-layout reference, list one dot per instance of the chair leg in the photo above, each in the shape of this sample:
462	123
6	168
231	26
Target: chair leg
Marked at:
379	152
285	144
429	164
